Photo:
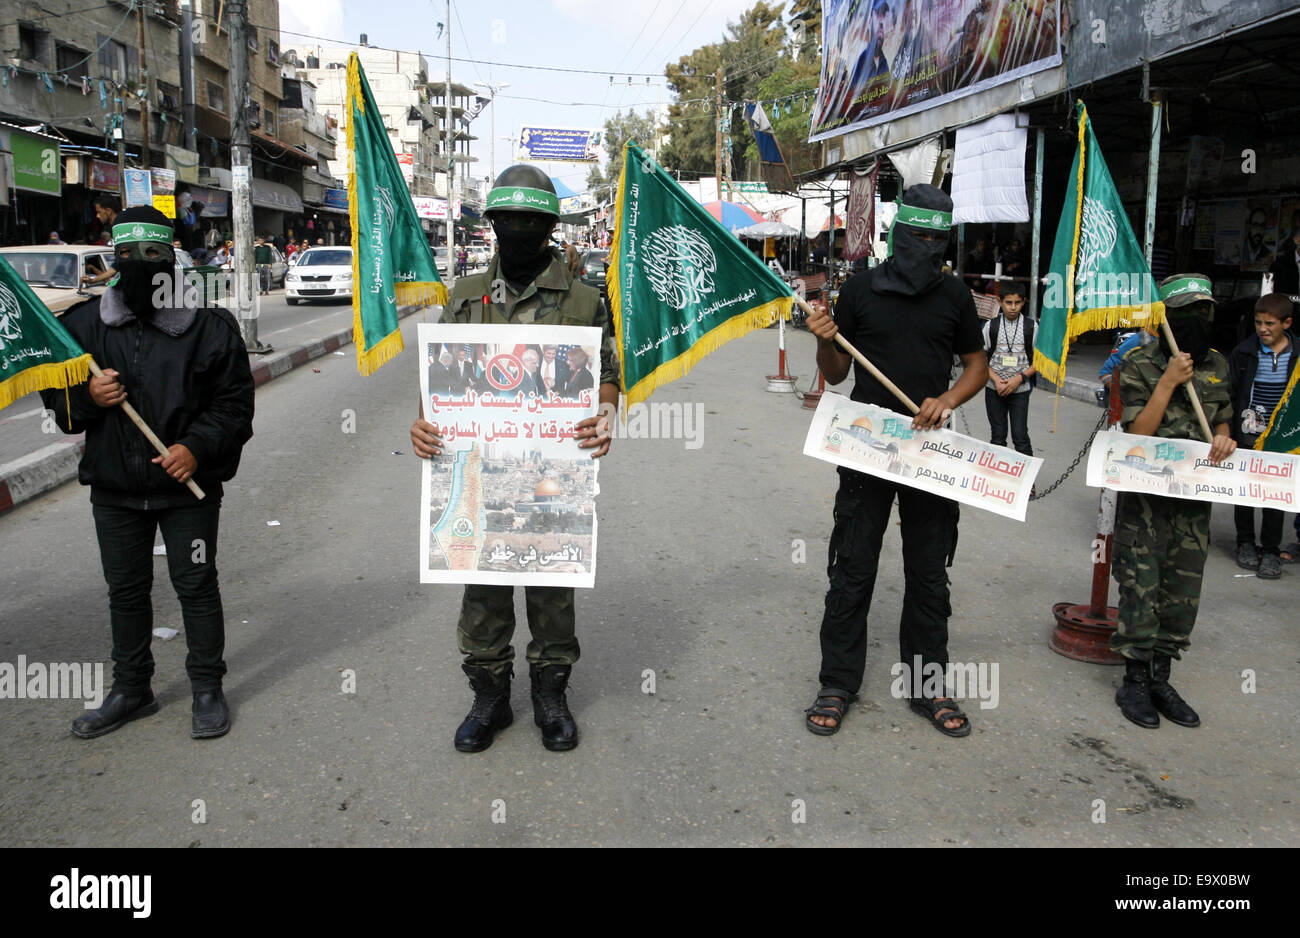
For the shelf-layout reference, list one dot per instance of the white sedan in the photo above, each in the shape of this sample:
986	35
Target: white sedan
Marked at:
322	273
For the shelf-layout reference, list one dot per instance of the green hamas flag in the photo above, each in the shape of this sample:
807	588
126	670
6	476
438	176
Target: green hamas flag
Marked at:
1098	277
36	352
1283	432
680	285
391	261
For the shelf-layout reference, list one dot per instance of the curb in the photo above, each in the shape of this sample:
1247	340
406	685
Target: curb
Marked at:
1077	389
36	473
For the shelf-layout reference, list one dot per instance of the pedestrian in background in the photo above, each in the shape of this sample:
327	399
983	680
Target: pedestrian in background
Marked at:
262	258
1009	344
1260	368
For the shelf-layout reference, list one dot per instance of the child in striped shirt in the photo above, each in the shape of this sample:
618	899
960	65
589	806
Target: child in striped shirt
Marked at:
1260	368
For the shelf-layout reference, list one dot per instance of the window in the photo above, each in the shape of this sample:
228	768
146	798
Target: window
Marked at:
268	116
33	44
254	115
252	37
273	52
72	62
114	60
216	96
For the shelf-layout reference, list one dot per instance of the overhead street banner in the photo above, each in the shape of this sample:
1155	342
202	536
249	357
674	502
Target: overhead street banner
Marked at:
560	144
884	60
882	443
512	499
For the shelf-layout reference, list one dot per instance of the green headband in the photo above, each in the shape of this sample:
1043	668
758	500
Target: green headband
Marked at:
931	218
142	231
923	217
1185	285
522	199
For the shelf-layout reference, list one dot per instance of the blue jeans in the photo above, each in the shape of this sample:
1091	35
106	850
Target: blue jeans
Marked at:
126	538
1014	406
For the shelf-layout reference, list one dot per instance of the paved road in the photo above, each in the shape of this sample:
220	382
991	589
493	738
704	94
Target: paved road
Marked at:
697	582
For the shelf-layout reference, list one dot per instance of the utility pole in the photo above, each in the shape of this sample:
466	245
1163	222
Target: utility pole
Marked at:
188	141
450	135
119	134
241	176
144	84
717	141
493	91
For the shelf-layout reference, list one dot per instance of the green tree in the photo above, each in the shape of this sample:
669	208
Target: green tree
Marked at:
751	48
790	127
619	129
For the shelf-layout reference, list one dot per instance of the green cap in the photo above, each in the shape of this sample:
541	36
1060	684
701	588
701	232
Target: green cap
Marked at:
1185	289
522	199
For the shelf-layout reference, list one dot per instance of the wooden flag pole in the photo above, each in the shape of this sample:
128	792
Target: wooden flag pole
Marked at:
144	428
862	360
1191	391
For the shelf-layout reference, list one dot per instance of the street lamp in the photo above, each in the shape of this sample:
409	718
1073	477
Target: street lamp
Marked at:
492	96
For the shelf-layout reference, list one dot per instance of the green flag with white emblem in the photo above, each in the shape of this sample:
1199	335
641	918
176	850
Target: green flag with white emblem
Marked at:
36	352
680	285
1098	278
391	261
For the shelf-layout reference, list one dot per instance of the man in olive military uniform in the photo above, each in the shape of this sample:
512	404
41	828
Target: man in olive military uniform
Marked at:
1161	543
527	281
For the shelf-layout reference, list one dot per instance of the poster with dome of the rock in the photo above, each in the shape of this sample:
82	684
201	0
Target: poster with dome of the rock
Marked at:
512	498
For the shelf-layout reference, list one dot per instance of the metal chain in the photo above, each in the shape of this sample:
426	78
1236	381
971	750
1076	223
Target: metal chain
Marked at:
1087	444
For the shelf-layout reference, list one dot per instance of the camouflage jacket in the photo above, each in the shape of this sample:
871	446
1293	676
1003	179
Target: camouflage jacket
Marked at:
554	298
1143	367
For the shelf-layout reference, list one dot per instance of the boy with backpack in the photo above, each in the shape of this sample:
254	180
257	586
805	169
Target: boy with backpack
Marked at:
1009	344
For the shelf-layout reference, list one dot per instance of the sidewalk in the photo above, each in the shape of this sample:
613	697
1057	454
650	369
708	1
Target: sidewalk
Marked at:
26	477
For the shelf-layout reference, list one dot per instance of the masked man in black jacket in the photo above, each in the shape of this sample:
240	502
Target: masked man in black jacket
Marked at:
185	370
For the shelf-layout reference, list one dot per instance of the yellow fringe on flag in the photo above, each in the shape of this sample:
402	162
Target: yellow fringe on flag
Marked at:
64	374
760	317
1259	442
427	293
612	278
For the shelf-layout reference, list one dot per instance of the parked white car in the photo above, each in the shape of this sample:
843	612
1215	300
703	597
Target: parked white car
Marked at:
321	273
54	271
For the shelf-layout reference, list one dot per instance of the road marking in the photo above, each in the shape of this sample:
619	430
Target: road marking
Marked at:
301	324
27	413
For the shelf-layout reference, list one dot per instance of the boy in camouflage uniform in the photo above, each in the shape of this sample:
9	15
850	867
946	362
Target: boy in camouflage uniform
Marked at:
1161	543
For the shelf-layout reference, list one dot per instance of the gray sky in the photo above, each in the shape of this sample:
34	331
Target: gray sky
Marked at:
613	37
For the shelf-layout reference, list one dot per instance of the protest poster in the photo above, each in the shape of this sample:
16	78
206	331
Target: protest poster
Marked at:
512	499
882	443
1178	468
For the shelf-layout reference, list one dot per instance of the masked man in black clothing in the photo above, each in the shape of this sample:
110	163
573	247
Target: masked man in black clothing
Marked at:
185	370
908	319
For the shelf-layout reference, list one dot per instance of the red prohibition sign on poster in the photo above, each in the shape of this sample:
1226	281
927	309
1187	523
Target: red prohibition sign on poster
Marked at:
509	369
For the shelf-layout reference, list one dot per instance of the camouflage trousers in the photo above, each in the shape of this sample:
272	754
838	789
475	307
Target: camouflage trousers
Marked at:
1160	550
487	623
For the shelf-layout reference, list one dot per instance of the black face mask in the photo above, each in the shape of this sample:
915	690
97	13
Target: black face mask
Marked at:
139	281
523	245
916	265
1192	333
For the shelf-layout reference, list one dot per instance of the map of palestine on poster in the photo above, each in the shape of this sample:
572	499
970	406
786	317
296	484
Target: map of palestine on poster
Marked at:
512	499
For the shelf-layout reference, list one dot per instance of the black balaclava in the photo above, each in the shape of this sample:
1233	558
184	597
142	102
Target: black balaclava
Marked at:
523	244
914	265
146	234
1190	325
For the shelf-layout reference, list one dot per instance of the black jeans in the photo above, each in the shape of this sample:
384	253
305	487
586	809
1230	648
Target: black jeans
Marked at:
929	528
1015	406
1270	527
126	538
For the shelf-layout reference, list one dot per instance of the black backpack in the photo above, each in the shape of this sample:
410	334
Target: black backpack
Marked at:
1029	342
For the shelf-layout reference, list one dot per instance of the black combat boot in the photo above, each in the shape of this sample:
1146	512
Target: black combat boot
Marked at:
550	709
118	708
1166	699
490	711
1134	695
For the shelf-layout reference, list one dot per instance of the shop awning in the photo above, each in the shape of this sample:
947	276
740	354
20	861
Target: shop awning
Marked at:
265	193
